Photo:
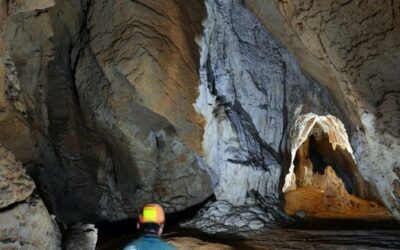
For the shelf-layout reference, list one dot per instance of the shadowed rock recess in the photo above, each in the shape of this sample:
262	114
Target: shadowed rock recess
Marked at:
270	106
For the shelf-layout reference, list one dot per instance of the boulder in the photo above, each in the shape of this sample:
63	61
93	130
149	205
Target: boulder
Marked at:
15	184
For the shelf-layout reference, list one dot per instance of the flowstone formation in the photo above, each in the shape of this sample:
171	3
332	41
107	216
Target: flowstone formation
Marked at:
324	179
251	90
352	48
327	128
251	94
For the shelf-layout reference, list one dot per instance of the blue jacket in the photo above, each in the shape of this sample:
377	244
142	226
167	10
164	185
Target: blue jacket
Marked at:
149	242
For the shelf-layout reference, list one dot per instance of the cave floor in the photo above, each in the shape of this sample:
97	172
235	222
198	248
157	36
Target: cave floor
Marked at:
317	203
317	234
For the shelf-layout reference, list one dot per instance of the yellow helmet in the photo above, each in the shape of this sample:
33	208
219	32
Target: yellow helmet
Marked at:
152	213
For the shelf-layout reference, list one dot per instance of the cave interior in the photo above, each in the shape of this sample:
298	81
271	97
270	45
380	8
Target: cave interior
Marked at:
329	184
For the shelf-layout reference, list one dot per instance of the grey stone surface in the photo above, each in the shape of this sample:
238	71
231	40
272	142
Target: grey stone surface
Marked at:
24	220
251	90
80	237
224	217
28	225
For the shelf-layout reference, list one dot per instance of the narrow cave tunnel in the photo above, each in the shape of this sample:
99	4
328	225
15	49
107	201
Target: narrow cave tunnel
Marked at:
323	155
328	183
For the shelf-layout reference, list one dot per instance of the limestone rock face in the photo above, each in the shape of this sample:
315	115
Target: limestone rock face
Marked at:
224	217
96	99
16	132
150	46
251	88
24	220
136	81
28	225
15	184
18	6
80	237
103	94
352	47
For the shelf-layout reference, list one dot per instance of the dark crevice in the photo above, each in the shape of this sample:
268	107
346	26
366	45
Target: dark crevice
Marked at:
285	113
11	206
255	141
320	162
210	76
379	103
128	227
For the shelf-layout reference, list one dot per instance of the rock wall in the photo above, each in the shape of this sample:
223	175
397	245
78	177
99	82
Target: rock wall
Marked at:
251	90
96	100
351	47
25	221
136	82
94	111
16	132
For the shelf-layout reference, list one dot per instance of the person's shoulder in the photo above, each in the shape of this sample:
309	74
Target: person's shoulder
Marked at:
132	246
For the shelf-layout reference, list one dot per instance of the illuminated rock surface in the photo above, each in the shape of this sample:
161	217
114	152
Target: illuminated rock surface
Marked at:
112	103
352	48
104	130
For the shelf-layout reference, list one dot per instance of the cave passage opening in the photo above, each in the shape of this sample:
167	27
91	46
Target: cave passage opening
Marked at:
324	180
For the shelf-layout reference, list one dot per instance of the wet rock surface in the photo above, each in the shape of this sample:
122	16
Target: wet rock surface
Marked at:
190	243
326	239
317	234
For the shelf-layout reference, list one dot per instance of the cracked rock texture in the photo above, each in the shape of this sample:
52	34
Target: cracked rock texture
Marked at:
96	101
353	48
251	88
224	217
91	104
15	184
24	220
28	225
136	81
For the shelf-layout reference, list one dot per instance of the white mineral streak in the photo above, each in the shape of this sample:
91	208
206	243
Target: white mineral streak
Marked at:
231	181
306	125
